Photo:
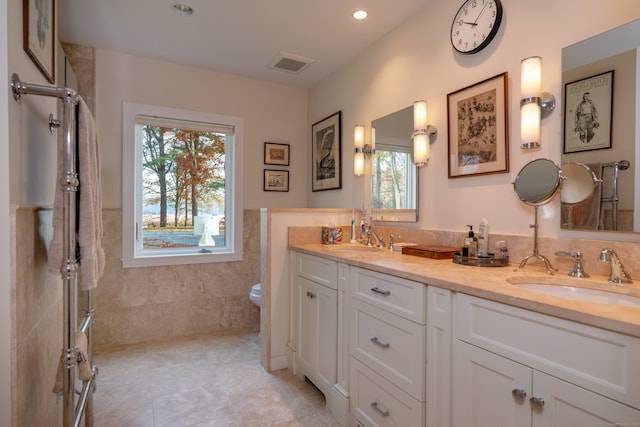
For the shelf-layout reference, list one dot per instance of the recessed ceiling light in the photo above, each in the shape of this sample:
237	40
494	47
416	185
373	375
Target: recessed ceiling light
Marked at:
182	9
360	14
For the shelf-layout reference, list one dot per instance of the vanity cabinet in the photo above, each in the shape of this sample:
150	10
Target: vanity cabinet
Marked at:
513	367
388	344
316	282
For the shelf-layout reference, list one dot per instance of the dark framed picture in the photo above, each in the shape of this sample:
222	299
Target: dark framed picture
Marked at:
588	110
478	121
276	154
326	167
276	180
38	31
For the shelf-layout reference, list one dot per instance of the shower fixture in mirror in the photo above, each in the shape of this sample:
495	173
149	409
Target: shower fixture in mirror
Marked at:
606	174
394	180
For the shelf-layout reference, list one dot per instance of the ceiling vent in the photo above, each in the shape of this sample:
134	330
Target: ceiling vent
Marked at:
290	63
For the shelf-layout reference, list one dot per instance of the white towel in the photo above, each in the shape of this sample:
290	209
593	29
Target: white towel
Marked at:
89	233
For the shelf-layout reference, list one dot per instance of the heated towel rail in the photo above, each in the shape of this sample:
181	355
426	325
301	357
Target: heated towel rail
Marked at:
73	410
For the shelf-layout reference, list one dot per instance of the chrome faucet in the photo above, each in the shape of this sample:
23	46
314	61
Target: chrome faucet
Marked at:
617	273
379	241
392	240
578	270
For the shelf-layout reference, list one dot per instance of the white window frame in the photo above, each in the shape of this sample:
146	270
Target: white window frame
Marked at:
132	255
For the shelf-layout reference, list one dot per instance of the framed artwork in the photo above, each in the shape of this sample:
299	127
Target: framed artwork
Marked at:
326	160
276	154
276	180
478	122
38	31
588	113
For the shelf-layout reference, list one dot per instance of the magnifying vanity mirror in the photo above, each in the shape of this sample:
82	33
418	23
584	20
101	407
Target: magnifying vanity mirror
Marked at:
536	184
394	180
601	190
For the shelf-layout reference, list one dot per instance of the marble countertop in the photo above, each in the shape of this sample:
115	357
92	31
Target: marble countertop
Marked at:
494	283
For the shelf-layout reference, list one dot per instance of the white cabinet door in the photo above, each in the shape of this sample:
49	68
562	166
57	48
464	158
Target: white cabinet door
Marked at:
317	314
568	405
489	390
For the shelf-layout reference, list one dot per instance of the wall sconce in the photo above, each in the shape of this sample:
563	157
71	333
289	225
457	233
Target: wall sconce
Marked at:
534	104
422	133
362	151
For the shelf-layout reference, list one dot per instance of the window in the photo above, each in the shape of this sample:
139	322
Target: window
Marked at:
182	186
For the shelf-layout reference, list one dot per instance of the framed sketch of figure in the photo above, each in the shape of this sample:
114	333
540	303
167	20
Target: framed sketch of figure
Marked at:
325	153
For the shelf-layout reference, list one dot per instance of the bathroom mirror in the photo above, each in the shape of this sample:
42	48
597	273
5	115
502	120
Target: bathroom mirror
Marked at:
537	182
614	205
394	178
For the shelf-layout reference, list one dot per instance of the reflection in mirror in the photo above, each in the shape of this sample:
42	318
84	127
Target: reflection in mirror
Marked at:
613	206
580	183
394	183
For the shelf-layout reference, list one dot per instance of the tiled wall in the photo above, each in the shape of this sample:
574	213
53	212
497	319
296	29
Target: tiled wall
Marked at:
143	304
37	314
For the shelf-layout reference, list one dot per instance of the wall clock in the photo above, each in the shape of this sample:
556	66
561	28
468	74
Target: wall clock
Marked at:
475	25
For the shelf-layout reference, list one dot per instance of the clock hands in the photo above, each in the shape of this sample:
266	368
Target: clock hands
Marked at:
481	12
475	22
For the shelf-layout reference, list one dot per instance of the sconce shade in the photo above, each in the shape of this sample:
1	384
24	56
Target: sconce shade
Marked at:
358	137
419	115
358	145
530	125
531	77
373	140
421	149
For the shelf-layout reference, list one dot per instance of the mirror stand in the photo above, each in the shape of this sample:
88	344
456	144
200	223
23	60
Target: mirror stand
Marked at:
536	254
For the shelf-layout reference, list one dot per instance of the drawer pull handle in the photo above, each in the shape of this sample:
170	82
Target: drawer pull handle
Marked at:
380	291
519	395
376	341
376	407
311	295
537	403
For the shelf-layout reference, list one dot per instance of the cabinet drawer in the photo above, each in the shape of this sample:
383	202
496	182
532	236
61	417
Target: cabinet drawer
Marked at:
399	296
392	346
319	270
596	359
378	403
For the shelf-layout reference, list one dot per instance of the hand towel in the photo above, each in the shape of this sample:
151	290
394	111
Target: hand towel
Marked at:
89	212
84	364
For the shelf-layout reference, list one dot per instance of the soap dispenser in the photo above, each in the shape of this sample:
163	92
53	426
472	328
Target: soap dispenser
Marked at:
473	242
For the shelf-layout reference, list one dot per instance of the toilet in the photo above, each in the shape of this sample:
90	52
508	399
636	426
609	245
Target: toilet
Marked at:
256	294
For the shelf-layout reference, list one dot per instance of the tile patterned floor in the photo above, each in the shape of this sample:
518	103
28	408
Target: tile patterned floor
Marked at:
201	382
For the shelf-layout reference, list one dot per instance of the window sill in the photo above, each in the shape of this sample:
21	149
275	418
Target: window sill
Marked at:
198	258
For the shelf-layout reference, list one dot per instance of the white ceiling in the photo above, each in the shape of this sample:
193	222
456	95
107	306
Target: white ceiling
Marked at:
235	36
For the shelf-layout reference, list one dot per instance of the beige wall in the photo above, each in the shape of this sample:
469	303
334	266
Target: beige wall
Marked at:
271	112
416	61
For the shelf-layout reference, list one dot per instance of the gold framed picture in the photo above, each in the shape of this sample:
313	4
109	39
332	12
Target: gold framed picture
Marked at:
478	121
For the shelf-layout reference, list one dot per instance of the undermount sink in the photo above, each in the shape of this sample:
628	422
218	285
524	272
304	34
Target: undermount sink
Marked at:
578	293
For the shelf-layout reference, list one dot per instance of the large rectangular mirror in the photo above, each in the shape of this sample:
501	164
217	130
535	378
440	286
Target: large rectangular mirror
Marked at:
600	99
394	177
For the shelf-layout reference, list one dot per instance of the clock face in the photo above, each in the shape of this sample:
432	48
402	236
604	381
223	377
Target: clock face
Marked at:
475	25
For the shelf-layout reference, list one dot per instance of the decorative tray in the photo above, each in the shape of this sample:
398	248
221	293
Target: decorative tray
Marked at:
489	261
